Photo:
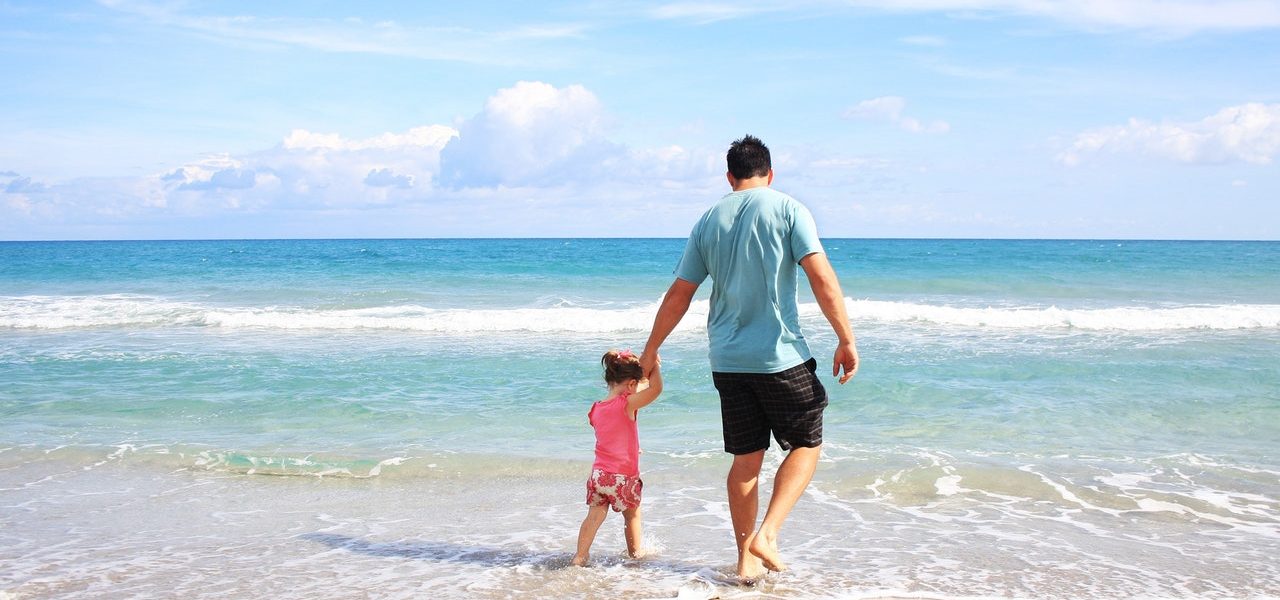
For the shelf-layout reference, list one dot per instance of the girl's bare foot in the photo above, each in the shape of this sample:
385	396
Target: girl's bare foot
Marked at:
580	560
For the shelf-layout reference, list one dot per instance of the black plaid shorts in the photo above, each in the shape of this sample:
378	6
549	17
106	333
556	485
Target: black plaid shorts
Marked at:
787	404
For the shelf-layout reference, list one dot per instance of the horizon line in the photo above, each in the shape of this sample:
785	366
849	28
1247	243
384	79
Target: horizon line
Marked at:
531	238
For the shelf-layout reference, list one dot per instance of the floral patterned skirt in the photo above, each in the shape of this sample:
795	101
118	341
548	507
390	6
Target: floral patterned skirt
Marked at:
620	492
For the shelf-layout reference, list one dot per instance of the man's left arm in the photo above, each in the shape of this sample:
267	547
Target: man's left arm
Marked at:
826	289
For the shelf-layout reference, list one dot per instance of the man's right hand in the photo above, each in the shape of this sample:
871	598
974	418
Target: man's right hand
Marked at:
846	358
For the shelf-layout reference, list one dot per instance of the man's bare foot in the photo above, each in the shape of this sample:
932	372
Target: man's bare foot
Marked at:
749	581
580	560
749	568
765	547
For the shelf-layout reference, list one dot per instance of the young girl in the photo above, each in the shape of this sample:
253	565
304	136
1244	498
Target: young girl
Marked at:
615	476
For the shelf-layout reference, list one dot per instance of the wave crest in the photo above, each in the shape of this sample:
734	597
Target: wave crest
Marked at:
1125	318
133	311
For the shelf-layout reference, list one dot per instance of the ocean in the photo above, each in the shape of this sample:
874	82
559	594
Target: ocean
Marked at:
407	419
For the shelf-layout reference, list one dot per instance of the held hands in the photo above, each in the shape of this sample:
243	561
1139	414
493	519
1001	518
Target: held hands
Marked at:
650	387
649	362
846	358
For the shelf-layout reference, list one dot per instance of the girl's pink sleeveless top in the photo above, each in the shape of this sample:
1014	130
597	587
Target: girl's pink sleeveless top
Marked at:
617	437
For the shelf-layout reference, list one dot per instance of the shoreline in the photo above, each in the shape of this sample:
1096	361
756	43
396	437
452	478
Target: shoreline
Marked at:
141	530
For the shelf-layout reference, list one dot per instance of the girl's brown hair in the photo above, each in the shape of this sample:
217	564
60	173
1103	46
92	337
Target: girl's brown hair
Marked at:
621	366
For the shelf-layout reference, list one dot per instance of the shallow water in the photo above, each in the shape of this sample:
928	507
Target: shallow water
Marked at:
400	418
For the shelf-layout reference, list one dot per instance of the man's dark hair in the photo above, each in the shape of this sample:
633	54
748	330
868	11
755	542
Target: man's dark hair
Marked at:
748	157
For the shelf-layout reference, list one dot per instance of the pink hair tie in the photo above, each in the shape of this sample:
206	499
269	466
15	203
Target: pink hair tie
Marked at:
626	355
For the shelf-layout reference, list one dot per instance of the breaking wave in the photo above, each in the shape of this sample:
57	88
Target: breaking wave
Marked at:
136	311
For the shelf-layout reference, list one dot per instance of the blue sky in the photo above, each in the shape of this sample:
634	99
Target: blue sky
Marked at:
127	119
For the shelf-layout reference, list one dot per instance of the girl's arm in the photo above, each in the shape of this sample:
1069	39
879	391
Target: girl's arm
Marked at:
646	394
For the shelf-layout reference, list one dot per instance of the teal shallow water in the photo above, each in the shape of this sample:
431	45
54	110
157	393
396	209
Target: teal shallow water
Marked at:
1117	394
242	342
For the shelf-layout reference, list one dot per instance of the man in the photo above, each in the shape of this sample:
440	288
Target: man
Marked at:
750	243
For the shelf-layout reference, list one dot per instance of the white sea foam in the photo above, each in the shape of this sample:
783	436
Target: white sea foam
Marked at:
420	318
136	311
1123	318
949	485
110	310
260	537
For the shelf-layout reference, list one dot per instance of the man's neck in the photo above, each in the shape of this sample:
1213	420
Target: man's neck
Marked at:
751	182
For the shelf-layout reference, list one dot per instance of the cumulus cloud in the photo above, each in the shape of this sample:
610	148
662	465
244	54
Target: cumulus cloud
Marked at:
317	170
1246	133
529	134
24	185
225	179
83	200
533	154
889	108
388	178
219	172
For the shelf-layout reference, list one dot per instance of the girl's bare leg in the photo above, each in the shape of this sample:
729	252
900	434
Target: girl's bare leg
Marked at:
587	533
634	532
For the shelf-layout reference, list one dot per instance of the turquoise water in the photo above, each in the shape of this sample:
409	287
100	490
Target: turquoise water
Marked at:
1120	398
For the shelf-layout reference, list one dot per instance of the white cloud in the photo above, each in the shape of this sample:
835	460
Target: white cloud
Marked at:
226	179
388	178
889	108
219	172
1247	133
89	199
19	204
884	107
431	136
520	45
24	185
1177	16
311	170
1171	16
530	133
532	156
707	12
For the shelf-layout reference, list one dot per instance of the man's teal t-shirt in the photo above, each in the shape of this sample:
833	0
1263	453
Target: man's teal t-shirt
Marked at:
751	243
